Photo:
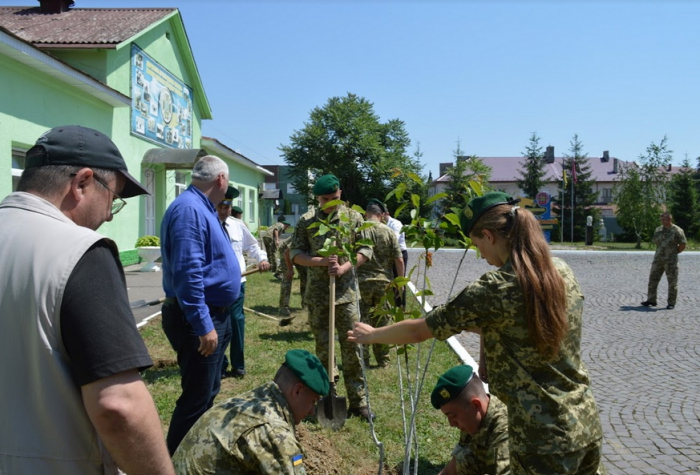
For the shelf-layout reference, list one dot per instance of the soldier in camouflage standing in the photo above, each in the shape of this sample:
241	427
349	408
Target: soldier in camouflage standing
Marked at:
529	312
304	251
287	272
376	273
481	419
271	239
254	433
670	241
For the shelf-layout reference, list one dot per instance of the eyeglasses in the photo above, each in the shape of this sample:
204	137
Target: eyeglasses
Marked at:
118	203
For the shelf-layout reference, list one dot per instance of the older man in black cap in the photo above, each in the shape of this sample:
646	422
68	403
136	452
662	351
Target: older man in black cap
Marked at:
254	433
72	397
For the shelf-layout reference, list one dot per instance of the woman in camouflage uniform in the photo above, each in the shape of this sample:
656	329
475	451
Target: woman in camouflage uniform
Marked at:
529	313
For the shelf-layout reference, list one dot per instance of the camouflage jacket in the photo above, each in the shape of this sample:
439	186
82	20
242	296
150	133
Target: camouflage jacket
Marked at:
667	241
379	267
270	232
249	434
486	451
305	241
551	408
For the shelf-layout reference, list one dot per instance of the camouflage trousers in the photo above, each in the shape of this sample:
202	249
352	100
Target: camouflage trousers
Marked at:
658	267
468	462
587	461
271	250
286	286
372	293
345	318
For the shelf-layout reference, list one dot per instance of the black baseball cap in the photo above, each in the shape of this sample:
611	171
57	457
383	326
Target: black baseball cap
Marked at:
82	147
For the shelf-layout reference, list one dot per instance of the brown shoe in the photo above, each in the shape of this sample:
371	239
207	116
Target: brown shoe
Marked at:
362	412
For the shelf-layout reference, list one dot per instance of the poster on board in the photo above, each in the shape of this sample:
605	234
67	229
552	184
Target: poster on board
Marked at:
161	104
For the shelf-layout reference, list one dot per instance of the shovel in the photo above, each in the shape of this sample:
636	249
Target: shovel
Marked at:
332	410
144	303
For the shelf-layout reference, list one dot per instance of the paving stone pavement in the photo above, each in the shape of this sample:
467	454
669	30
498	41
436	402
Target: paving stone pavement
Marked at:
644	362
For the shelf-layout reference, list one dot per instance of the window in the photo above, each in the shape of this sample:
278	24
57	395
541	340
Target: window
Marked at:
180	182
17	166
241	194
290	189
295	209
606	195
251	206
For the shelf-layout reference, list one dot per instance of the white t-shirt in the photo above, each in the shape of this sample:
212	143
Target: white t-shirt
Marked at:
396	225
243	241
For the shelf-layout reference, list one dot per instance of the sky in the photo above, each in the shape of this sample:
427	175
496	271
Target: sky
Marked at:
481	74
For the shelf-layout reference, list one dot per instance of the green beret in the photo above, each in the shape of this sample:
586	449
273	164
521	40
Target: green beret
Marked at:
286	223
478	206
309	370
375	201
232	193
325	185
450	384
236	209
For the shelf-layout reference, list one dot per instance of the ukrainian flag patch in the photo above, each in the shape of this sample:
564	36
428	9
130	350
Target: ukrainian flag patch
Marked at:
297	460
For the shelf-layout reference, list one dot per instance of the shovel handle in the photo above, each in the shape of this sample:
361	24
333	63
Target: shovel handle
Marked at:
251	271
331	329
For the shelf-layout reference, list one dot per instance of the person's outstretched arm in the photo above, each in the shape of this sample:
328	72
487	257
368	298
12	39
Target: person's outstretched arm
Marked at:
401	333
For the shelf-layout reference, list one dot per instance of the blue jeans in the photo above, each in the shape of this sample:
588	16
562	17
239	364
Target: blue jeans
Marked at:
237	335
201	376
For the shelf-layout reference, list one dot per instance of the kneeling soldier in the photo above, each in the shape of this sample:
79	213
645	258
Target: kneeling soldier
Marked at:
254	432
482	420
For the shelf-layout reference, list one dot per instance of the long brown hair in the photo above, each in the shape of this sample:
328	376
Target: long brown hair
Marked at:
543	287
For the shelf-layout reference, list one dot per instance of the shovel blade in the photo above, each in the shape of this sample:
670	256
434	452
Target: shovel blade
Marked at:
331	410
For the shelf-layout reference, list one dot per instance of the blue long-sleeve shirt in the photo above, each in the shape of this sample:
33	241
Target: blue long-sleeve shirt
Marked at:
199	265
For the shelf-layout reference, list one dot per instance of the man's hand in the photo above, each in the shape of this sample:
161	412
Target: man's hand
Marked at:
336	269
208	343
264	266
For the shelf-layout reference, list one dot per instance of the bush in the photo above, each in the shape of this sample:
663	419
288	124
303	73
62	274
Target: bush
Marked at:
148	241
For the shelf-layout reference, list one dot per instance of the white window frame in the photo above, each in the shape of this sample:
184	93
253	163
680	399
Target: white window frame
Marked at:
17	172
251	205
180	182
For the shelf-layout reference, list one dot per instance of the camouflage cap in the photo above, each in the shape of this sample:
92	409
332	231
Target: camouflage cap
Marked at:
478	206
236	210
375	201
309	370
325	185
450	384
232	193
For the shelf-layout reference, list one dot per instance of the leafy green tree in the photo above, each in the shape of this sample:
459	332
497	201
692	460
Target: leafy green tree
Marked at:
683	199
532	178
583	192
345	137
466	169
641	192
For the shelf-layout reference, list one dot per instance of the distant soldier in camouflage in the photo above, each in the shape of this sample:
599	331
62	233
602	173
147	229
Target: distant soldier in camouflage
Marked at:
286	269
482	420
529	312
271	239
304	251
670	241
254	432
376	273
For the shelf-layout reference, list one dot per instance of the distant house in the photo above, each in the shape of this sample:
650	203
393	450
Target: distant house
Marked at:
127	72
505	171
282	196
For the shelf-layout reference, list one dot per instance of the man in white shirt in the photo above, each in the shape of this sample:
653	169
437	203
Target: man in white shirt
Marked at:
242	241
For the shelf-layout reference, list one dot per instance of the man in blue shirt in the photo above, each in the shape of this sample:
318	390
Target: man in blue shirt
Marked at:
201	279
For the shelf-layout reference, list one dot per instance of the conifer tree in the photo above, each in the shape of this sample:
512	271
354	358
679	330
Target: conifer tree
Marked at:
683	199
532	178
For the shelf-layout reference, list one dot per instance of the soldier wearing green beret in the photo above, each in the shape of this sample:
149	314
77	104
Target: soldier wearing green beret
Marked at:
529	312
304	251
271	239
482	420
254	433
237	212
376	273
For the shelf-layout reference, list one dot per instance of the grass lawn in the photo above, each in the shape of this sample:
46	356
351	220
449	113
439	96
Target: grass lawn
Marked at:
350	450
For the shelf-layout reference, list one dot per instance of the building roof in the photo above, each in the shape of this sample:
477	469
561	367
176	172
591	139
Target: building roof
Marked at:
226	152
79	27
509	169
